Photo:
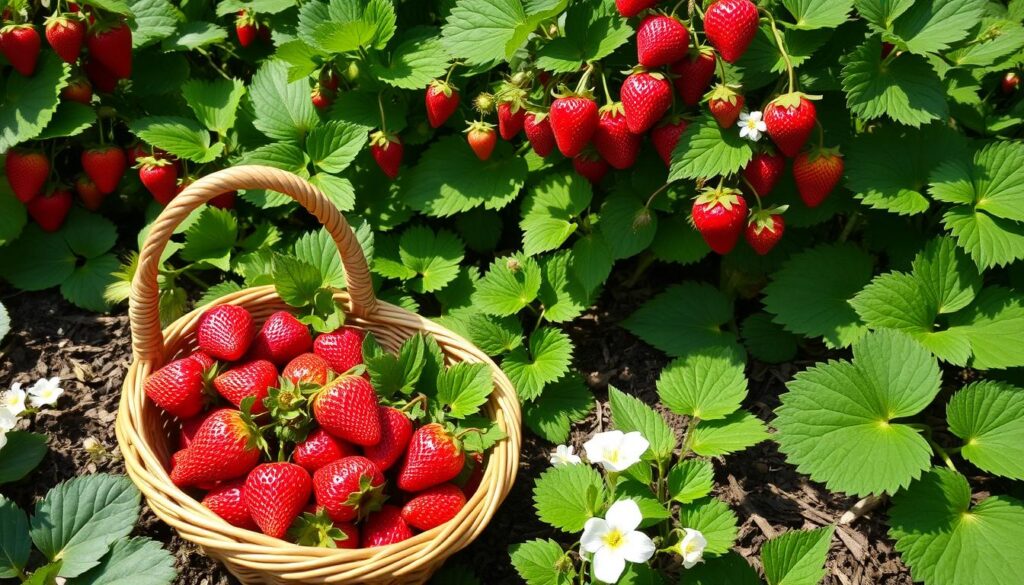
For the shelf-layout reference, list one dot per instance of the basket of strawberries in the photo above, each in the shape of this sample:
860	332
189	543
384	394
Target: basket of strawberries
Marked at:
367	453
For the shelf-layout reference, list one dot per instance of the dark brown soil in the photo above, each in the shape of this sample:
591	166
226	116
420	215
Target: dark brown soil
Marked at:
90	353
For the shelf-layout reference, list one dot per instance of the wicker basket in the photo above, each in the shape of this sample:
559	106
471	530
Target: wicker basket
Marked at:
144	431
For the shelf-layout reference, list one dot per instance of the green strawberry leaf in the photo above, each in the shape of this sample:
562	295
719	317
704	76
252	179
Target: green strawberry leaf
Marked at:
211	238
22	453
85	287
768	341
686	318
463	388
297	282
283	109
591	34
626	224
15	545
542	562
181	137
549	210
591	261
70	119
215	103
137	560
567	496
393	374
690	480
546	360
797	557
931	26
729	568
812	14
509	286
418	58
906	89
333	146
194	35
432	259
708	385
565	402
989	417
27	104
280	155
715	520
153	20
37	260
994	325
706	150
631	414
736	432
561	294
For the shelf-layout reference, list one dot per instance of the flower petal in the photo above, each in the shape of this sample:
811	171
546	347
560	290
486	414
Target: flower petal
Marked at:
608	565
593	530
637	547
624	516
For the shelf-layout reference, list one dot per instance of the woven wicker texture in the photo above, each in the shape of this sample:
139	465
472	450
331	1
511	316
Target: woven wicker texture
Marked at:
144	432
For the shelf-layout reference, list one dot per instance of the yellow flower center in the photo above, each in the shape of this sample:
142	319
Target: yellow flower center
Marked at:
611	456
613	538
751	123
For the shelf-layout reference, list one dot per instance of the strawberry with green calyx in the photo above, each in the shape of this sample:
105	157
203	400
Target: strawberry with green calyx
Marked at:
387	150
731	26
179	387
720	214
65	33
88	193
589	165
20	43
692	74
319	449
574	118
435	456
78	90
226	446
645	99
110	44
321	97
537	126
482	139
442	100
765	228
225	332
307	368
50	211
275	494
245	27
228	502
342	349
1009	83
396	430
160	178
329	78
317	529
613	139
281	338
105	166
289	410
725	105
434	506
665	137
385	527
790	119
511	111
661	40
817	172
346	407
26	172
251	379
349	489
763	171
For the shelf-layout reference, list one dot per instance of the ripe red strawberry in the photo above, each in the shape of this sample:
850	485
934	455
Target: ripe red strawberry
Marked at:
347	408
281	338
319	449
720	215
321	98
433	507
77	90
177	388
306	368
614	142
481	138
350	535
764	229
228	502
226	446
90	196
763	171
137	151
442	100
665	137
329	78
204	359
160	178
725	105
225	332
225	200
511	117
112	47
693	74
245	28
189	427
65	34
20	44
790	119
645	98
395	432
254	378
590	166
50	210
385	527
817	172
101	78
539	133
434	457
630	8
342	348
661	40
730	26
105	165
26	172
349	488
275	494
574	120
387	150
1009	83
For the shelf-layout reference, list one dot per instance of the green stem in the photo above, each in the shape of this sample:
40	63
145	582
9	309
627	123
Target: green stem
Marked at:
782	49
943	454
848	229
688	439
582	85
607	94
380	107
657	192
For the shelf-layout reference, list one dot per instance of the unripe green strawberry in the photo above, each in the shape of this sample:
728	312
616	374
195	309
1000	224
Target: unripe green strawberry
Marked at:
433	507
385	527
228	502
275	494
720	215
226	446
347	408
434	457
349	488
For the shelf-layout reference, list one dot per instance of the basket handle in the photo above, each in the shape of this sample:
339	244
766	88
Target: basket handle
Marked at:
143	308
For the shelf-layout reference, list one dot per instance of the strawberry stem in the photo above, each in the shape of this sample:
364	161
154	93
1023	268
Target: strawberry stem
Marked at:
420	399
582	85
821	134
754	191
782	49
448	78
657	192
380	106
607	94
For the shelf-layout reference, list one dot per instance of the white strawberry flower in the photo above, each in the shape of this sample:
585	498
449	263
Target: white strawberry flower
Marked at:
615	450
691	547
7	420
751	125
45	392
565	455
14	399
614	539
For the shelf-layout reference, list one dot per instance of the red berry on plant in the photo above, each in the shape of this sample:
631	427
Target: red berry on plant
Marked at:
387	150
20	43
50	211
645	99
321	97
665	137
790	119
661	40
26	172
693	73
91	197
482	138
720	215
590	166
111	46
817	173
764	229
102	79
442	99
160	178
65	33
730	26
77	90
630	8
574	120
613	139
725	105
245	28
511	117
539	133
763	171
1009	83
105	165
